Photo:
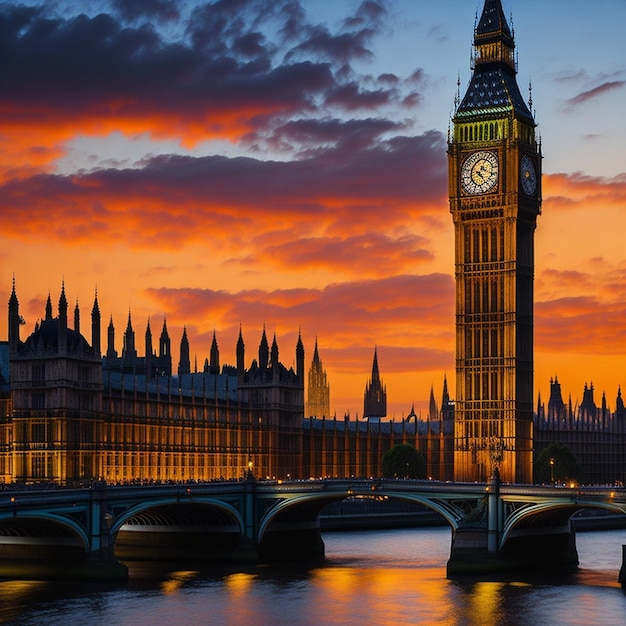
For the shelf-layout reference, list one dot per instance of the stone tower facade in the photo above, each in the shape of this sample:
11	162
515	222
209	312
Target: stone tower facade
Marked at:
494	161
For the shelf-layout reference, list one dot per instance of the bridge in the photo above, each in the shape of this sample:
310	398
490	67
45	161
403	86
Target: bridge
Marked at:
91	532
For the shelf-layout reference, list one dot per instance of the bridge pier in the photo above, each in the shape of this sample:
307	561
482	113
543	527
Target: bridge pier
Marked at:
292	542
476	544
470	553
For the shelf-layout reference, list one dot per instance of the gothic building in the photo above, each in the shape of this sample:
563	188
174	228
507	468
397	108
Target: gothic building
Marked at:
66	415
56	388
494	162
595	435
73	416
70	416
318	389
375	396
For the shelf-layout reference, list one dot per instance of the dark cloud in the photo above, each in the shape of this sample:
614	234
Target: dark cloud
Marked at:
345	188
308	136
592	94
159	10
240	64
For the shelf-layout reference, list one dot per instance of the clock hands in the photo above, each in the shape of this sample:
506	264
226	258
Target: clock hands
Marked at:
481	172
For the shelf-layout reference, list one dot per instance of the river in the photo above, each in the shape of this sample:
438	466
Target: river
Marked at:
368	578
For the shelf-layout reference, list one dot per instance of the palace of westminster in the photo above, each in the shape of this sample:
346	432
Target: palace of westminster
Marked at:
72	411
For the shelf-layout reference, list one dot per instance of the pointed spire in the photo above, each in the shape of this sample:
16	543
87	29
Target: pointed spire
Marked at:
128	349
263	351
274	352
48	308
316	355
300	358
375	397
432	405
215	356
77	317
14	320
241	348
375	372
62	341
62	300
148	340
184	365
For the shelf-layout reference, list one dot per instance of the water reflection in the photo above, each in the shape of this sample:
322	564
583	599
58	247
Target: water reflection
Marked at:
368	578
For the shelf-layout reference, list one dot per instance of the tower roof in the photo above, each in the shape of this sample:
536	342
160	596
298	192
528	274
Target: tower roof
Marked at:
493	89
492	25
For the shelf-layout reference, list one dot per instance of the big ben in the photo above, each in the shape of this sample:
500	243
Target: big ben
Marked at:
494	162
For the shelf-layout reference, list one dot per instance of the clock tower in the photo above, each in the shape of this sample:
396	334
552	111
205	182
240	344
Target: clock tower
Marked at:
494	165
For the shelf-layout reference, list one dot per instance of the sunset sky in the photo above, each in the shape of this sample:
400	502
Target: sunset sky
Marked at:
244	162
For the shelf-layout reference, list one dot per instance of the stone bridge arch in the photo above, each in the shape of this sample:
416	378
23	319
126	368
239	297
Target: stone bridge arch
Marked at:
289	523
198	528
542	530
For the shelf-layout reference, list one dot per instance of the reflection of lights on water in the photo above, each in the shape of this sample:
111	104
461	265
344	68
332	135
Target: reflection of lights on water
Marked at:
17	591
486	602
239	583
177	580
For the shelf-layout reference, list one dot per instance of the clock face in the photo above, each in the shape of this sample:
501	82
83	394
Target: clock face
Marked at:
528	176
479	172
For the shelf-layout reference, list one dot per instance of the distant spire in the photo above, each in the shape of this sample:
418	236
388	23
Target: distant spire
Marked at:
215	356
184	365
375	397
14	320
300	358
48	308
241	350
274	352
95	326
77	317
263	351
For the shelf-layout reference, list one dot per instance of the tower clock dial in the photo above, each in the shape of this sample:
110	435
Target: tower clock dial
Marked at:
528	175
479	172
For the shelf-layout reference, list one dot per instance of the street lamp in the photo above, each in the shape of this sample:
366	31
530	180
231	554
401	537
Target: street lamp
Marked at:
552	472
250	466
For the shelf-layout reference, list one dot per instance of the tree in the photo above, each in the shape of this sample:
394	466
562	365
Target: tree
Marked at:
403	461
557	464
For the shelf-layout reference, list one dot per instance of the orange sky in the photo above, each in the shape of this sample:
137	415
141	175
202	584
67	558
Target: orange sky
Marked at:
222	178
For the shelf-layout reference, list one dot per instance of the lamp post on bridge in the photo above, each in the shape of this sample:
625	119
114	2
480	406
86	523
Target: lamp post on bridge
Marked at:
496	454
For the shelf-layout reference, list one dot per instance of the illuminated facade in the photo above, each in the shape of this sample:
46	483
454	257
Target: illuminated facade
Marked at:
495	197
70	416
